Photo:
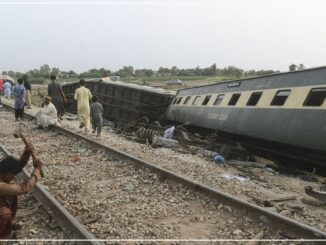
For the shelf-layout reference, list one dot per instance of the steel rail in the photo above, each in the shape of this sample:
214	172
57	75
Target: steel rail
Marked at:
287	226
70	226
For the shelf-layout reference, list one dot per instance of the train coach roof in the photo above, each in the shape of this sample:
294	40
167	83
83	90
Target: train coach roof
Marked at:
131	85
278	78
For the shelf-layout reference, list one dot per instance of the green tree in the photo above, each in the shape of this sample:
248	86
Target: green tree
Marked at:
174	70
126	71
45	70
301	67
105	72
55	71
213	69
292	67
162	71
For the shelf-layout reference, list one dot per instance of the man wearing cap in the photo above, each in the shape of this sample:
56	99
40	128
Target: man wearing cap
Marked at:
9	168
48	114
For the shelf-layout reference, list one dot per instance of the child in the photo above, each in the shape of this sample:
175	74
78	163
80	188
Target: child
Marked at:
96	116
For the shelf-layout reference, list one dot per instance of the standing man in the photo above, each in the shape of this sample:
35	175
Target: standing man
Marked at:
19	93
58	97
83	96
28	95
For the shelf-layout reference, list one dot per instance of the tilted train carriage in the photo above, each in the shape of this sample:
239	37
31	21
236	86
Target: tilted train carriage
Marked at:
123	102
282	114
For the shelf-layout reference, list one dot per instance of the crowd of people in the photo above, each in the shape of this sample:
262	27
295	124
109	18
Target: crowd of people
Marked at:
89	110
52	111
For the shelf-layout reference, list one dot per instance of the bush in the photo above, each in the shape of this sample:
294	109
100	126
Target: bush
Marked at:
37	80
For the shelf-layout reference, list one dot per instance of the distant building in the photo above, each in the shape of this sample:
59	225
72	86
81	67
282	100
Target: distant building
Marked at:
174	82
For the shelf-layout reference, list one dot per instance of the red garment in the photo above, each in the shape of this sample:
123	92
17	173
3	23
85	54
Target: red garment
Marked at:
8	211
1	85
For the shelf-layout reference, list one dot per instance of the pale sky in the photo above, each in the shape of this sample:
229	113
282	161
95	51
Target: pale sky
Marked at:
80	34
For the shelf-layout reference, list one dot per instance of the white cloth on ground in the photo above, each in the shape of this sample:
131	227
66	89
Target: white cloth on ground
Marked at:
168	133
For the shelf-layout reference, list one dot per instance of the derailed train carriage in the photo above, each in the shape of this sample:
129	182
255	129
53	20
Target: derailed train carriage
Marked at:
282	115
123	103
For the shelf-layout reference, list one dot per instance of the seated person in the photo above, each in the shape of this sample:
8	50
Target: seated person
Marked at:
47	115
9	168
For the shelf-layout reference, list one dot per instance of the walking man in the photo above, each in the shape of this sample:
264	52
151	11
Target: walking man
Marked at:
96	116
83	96
58	97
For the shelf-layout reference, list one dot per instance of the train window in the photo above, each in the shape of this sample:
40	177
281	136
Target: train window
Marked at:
206	100
234	99
315	97
179	100
254	98
219	99
173	101
280	97
195	102
187	100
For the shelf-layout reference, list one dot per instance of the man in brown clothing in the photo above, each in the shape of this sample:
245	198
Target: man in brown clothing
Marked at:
9	168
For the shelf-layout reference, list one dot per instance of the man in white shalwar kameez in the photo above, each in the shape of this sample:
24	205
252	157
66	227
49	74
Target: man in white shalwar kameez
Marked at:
48	114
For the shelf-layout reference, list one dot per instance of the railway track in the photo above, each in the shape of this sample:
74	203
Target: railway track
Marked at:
120	184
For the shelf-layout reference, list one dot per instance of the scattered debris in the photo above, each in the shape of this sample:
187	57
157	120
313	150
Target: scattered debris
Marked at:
312	202
219	159
271	202
194	150
228	176
90	220
237	232
318	195
255	238
76	158
307	176
145	133
161	142
323	188
70	117
168	133
254	164
312	174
